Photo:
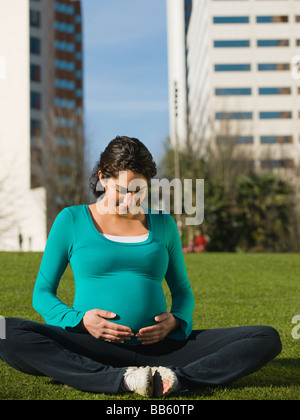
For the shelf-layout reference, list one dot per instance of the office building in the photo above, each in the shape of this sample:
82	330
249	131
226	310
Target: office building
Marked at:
41	107
241	77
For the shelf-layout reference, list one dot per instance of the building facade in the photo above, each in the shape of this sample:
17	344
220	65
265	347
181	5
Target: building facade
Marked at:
242	84
177	70
41	104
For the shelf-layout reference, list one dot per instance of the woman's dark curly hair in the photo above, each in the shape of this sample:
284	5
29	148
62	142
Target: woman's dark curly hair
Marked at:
122	154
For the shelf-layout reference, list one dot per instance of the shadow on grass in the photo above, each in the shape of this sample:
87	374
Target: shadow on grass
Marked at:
279	373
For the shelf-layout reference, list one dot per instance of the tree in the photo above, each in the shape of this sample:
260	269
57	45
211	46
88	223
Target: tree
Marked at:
244	210
59	163
263	212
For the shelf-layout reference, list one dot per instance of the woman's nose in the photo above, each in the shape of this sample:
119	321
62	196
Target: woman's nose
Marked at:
127	199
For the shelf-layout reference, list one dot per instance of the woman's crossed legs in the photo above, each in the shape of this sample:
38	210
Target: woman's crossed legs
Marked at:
208	358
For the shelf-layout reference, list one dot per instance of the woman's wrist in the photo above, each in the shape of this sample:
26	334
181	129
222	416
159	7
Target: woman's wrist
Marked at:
177	323
81	325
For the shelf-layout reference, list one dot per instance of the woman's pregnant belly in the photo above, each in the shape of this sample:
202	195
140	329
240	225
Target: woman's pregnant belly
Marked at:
134	299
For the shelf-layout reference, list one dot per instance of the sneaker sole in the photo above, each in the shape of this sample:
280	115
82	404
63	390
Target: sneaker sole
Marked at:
160	376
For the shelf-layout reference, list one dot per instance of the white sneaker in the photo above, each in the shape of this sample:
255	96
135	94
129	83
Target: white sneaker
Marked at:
139	380
165	381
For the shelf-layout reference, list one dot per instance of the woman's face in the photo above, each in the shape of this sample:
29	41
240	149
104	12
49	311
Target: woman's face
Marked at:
124	193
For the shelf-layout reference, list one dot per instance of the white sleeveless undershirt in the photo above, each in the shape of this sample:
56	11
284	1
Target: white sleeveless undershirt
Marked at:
127	239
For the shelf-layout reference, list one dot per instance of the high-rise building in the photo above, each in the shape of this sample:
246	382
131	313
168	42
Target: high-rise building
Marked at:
41	115
177	55
241	75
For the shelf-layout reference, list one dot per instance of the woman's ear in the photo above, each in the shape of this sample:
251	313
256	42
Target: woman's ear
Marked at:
102	180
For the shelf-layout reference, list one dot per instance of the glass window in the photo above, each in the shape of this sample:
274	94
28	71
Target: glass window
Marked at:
231	43
35	45
275	115
234	115
35	100
64	46
64	103
275	91
64	84
231	19
273	43
64	122
62	141
232	67
274	67
276	139
272	19
35	73
235	139
35	18
63	27
233	91
35	128
65	65
79	93
63	8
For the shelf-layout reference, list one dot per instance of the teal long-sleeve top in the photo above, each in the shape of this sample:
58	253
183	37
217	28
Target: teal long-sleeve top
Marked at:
123	278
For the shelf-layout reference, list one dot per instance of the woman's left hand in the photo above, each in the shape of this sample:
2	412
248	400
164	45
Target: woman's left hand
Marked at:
166	322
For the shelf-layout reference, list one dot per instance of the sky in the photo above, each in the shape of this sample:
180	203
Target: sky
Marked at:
125	73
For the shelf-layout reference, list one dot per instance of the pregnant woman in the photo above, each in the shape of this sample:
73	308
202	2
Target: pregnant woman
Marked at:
118	336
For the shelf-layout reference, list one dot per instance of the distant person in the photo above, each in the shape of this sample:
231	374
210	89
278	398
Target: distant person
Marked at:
200	242
20	241
118	335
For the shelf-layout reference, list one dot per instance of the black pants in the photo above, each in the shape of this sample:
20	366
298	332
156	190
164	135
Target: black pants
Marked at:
208	358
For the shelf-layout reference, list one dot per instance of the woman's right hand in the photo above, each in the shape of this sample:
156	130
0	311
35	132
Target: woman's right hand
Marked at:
95	323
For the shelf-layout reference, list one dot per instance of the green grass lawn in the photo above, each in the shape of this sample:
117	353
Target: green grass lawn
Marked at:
230	290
